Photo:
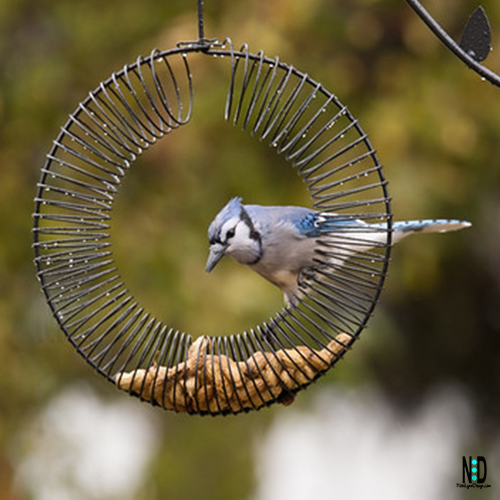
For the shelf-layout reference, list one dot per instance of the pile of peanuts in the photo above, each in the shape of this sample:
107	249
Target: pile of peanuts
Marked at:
215	383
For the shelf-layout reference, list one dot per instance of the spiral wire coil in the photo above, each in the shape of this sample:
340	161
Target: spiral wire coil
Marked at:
121	118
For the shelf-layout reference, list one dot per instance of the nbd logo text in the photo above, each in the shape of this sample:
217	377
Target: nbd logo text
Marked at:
474	470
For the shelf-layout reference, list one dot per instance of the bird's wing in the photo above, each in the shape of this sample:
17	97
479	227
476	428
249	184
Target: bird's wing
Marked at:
314	224
308	223
305	221
270	218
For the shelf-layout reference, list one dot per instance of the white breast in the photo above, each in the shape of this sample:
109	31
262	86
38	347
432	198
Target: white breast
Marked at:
284	255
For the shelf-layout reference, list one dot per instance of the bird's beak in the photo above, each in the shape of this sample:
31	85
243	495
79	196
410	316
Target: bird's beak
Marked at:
216	253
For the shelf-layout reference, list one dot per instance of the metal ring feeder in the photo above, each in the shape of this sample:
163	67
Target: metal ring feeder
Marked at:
124	116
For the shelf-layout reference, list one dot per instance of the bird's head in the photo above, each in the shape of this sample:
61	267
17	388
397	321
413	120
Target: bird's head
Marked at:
234	233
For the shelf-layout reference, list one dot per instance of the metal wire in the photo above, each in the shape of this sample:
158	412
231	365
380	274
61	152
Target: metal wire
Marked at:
455	48
125	115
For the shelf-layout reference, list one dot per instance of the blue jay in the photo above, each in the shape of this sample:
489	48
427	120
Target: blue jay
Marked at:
281	242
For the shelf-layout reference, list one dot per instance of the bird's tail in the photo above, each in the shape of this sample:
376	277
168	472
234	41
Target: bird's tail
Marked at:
357	235
431	225
405	228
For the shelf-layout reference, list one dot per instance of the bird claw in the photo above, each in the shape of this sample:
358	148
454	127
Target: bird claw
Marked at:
293	298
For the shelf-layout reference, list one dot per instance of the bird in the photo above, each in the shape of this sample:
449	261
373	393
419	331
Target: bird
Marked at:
281	242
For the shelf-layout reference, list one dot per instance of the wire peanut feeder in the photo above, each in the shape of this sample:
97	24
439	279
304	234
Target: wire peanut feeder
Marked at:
124	116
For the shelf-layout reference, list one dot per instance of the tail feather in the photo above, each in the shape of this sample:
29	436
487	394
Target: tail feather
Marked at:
430	225
405	228
357	235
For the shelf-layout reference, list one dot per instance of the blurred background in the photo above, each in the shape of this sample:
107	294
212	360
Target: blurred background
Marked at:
421	388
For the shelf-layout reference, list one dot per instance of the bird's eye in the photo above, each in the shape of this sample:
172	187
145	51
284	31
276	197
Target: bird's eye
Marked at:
230	233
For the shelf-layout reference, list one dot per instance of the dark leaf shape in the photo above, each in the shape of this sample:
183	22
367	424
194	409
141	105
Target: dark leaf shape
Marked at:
476	37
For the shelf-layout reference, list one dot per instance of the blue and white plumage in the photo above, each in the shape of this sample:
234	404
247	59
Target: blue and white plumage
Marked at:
281	242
